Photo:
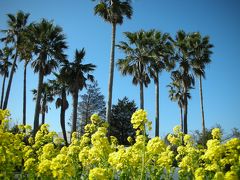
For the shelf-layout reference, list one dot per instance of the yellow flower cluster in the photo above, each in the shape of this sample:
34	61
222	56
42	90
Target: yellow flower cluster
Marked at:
11	147
139	120
95	156
99	174
216	133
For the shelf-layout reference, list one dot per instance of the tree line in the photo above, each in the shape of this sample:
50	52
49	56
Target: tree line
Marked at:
147	53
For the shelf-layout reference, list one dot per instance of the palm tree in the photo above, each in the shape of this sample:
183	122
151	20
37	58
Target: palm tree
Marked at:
185	70
4	68
135	61
113	12
60	88
47	97
16	26
25	53
78	74
48	44
161	51
176	94
201	55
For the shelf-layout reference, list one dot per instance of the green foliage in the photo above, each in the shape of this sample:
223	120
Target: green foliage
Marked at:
120	122
113	11
92	102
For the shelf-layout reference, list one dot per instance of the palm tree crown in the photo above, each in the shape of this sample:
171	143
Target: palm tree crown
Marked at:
49	45
113	11
16	26
136	59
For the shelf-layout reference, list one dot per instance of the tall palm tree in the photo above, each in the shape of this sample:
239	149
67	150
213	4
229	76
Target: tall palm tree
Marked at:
16	26
25	55
161	51
78	74
135	61
48	44
113	12
185	70
47	97
60	89
201	56
4	68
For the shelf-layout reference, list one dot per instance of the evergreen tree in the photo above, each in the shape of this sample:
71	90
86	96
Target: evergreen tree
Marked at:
91	102
120	123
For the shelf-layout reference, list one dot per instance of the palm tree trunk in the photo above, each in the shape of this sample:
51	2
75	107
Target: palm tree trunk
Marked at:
181	119
3	88
185	129
75	103
10	80
62	116
24	93
37	107
157	105
84	123
202	110
43	118
110	82
141	96
44	109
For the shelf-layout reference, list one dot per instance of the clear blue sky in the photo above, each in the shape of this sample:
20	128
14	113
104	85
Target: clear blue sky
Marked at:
220	19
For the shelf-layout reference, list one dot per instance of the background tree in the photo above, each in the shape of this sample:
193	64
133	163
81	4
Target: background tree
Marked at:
91	102
234	134
16	25
78	74
5	64
113	12
201	139
136	60
120	124
48	44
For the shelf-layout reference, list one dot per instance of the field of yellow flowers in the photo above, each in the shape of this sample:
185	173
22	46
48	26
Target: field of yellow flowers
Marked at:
95	156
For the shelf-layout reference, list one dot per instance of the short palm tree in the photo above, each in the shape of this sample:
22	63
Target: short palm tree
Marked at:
77	74
176	94
161	52
202	56
60	89
47	97
113	12
135	61
48	46
5	64
16	25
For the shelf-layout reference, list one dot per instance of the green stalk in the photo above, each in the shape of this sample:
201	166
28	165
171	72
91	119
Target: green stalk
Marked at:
144	150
